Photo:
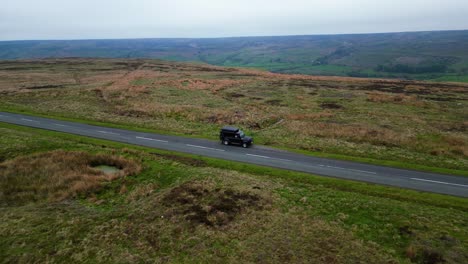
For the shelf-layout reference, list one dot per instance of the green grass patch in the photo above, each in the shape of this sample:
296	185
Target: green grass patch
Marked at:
453	78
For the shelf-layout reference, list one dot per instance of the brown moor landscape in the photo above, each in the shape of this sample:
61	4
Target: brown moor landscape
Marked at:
165	207
420	123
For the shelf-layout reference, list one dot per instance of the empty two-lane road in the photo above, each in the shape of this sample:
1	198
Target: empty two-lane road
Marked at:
423	181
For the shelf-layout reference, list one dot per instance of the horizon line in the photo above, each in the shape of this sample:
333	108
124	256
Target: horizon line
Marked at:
244	36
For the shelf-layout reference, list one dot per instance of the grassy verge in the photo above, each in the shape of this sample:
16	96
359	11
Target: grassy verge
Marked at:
345	185
185	208
389	163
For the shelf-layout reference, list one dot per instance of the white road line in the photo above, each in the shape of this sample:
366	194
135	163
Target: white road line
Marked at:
195	146
61	125
253	155
29	120
363	171
152	139
107	132
281	159
341	168
266	157
447	183
334	167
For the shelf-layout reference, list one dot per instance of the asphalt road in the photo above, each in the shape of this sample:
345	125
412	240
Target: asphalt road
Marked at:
422	181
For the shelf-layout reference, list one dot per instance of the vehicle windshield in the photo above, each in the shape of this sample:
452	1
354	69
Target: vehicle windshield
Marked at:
241	134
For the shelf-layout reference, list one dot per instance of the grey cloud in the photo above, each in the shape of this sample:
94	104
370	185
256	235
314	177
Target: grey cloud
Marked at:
84	19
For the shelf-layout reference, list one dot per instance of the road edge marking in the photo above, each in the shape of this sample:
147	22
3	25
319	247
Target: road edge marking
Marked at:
440	182
61	125
152	139
196	146
266	157
341	168
108	132
29	120
260	156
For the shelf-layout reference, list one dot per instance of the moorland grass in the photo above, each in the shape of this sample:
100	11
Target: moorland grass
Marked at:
409	124
184	208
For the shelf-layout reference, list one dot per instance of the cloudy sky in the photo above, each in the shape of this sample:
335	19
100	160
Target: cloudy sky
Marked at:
85	19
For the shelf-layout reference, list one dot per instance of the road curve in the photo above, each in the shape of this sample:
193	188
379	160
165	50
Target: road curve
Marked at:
416	180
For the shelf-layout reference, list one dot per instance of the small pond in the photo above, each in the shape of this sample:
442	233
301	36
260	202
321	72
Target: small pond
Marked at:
107	169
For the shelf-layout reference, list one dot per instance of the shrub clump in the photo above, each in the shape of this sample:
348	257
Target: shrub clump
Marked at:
330	105
57	175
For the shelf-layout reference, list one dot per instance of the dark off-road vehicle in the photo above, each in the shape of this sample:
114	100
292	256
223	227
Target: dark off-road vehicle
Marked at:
233	135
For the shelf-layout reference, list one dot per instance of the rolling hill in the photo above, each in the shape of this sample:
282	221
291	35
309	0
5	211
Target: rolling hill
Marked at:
440	56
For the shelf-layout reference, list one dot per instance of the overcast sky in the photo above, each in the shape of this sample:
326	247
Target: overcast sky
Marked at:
85	19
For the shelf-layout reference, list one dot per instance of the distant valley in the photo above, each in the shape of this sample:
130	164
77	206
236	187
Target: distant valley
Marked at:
438	56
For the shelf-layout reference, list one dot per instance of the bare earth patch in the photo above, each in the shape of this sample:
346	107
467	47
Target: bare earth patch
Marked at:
201	203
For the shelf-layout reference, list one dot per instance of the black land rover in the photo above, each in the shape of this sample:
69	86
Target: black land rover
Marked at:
233	135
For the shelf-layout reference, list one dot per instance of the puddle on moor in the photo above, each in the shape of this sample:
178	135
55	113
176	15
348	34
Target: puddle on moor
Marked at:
107	169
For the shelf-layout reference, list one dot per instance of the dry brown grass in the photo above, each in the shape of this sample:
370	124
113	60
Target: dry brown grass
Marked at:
380	97
126	84
457	144
142	191
199	84
310	116
351	132
57	175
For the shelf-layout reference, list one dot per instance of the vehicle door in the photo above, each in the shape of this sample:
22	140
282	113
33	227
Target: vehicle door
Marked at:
229	136
237	138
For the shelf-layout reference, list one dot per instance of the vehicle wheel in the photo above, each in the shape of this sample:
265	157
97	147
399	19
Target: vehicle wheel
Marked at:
244	145
225	142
